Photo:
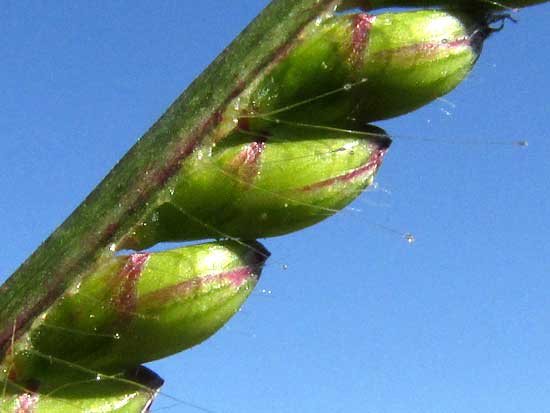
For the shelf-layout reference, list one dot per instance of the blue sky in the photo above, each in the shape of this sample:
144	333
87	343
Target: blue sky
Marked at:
360	321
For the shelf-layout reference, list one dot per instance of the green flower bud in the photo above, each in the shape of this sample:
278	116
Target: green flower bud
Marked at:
278	183
367	68
143	307
497	5
68	391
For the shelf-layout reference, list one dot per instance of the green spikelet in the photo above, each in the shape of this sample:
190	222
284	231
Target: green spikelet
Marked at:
366	68
142	307
277	183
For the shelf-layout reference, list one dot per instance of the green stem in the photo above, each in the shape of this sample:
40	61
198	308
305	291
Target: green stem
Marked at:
128	192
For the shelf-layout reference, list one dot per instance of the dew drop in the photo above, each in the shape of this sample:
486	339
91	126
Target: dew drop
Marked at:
112	247
284	267
237	106
522	143
347	86
409	238
98	377
286	205
324	65
116	336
